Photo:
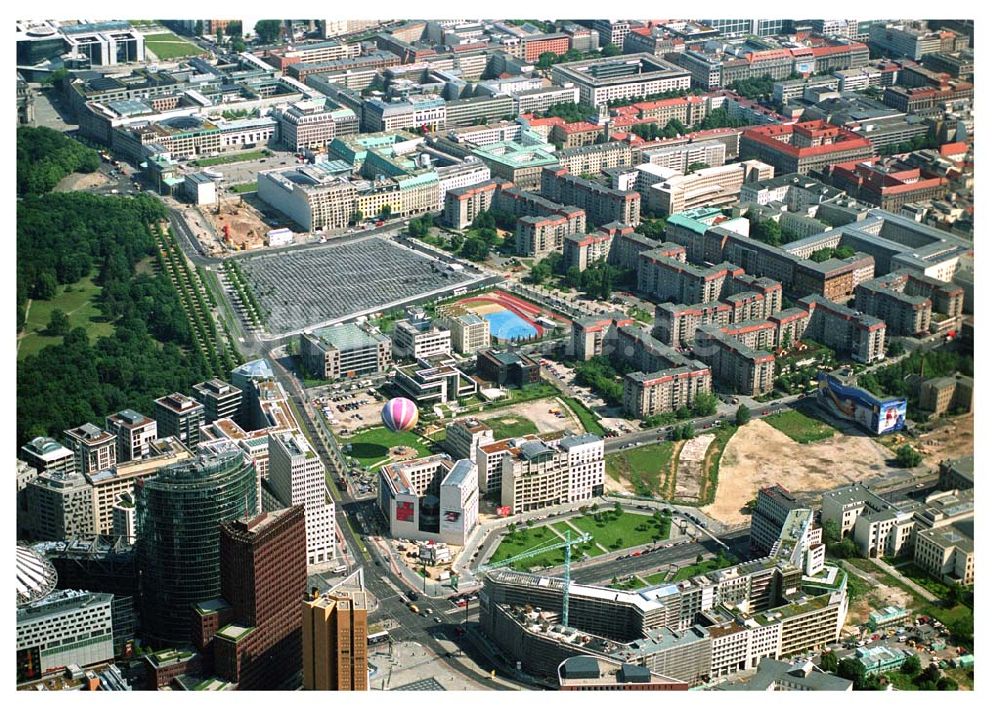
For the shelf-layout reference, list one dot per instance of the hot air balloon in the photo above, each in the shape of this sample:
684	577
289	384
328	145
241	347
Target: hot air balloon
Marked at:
400	414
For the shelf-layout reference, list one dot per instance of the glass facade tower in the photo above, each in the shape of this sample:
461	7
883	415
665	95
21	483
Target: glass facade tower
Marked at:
178	513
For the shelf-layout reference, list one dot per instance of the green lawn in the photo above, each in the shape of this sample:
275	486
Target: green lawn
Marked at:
642	466
801	428
588	418
232	158
705	566
510	426
656	578
921	578
633	583
373	446
167	45
243	188
537	536
79	306
632	529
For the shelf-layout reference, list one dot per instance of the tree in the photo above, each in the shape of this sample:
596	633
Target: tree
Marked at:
895	349
697	165
58	323
705	404
742	414
234	28
357	216
45	287
546	60
618	508
947	684
268	30
238	44
619	543
828	662
540	272
907	457
699	559
610	50
911	665
199	28
385	212
853	669
766	231
218	36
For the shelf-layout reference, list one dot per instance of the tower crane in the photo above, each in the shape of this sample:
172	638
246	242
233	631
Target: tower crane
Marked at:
566	544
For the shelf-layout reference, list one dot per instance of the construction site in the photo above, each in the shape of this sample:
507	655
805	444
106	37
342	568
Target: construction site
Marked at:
237	224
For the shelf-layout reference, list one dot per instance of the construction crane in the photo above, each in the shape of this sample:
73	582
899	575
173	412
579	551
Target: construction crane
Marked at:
566	544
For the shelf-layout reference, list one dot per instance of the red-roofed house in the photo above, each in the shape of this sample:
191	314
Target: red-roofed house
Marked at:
799	148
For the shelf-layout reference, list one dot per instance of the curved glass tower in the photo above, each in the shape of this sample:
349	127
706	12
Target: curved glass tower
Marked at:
178	512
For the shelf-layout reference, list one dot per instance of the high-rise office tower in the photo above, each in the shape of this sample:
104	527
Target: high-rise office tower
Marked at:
178	512
263	576
335	639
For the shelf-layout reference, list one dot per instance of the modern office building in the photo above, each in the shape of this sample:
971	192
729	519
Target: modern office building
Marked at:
625	77
469	331
311	124
60	506
697	630
537	474
947	552
507	367
263	577
179	416
716	187
65	628
774	503
109	485
93	448
298	478
432	496
335	641
178	512
464	436
219	398
417	337
47	455
133	433
434	379
345	351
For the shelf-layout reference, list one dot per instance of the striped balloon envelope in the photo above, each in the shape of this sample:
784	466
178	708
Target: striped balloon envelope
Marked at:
400	414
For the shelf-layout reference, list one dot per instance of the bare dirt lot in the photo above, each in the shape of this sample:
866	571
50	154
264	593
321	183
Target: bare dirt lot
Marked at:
246	230
951	440
759	455
690	467
81	181
538	411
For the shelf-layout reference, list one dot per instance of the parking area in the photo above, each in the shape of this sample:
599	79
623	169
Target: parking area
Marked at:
346	413
304	287
51	112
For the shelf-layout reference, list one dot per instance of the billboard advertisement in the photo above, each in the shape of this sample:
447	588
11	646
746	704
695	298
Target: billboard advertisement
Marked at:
451	521
404	511
853	403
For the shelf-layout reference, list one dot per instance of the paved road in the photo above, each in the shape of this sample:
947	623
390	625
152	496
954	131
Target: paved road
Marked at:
661	558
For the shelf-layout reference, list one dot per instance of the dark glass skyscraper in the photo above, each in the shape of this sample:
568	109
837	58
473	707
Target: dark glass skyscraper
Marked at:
178	512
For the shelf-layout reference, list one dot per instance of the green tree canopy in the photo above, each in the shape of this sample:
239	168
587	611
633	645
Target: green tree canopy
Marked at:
268	30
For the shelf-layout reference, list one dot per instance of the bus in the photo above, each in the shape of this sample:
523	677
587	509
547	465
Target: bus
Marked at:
376	639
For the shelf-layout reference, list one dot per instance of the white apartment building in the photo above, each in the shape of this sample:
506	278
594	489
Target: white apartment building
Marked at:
471	171
298	478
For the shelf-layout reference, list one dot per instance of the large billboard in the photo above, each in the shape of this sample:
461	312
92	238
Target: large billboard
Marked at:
853	403
451	521
404	511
